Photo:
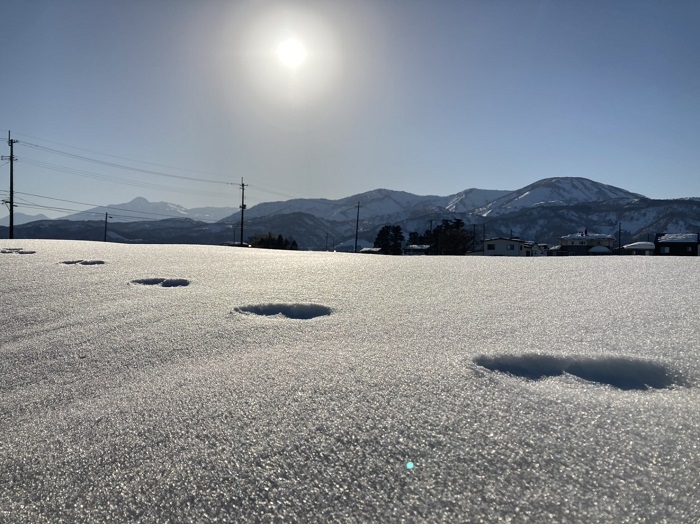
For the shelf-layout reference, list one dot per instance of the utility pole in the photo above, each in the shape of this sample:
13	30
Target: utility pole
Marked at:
242	208
357	225
619	238
106	217
11	158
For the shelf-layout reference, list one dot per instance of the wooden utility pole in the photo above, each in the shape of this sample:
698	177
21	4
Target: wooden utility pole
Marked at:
12	159
106	217
242	208
357	225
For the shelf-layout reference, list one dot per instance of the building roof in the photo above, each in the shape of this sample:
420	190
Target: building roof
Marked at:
599	249
509	240
574	236
678	237
640	245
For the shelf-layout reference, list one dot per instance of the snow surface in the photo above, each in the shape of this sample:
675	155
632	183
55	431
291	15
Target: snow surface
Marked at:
337	387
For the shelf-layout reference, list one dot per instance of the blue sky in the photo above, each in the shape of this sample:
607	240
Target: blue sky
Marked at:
425	97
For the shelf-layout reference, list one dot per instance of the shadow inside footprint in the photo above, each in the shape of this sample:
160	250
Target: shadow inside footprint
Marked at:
83	262
620	372
294	311
163	282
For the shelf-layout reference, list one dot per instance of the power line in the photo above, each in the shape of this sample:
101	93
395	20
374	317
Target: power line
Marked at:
116	156
147	185
108	178
120	166
81	157
125	181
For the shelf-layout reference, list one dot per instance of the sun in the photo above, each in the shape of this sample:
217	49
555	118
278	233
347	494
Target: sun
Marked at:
291	53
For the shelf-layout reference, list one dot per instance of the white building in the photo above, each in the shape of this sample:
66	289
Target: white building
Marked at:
640	248
512	247
587	244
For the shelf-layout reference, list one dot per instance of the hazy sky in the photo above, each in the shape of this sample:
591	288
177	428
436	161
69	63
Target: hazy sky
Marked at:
430	97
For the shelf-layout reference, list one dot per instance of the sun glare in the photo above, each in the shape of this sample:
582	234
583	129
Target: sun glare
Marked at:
291	53
292	57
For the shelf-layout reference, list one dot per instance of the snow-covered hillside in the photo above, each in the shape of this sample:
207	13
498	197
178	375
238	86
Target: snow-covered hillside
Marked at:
377	203
187	383
557	191
469	200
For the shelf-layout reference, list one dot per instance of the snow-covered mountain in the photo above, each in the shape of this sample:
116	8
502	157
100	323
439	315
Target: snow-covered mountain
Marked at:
381	205
556	192
140	209
377	205
543	211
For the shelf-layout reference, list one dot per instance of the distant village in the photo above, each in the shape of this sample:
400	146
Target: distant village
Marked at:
583	243
593	244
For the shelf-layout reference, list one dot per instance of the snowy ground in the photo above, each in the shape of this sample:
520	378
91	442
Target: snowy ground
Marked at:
156	385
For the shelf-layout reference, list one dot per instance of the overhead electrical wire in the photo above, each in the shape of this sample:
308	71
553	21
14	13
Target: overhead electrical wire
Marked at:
97	176
116	156
121	166
120	180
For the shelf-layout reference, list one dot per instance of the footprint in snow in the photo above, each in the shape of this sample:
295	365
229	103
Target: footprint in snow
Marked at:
294	311
84	262
620	372
17	251
162	282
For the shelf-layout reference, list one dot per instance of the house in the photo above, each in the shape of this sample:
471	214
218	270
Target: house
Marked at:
416	249
587	244
512	247
639	248
678	244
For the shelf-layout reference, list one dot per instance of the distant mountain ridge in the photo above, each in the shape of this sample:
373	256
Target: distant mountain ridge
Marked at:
543	211
140	209
22	218
556	192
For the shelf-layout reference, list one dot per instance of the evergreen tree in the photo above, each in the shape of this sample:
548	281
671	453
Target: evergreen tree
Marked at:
447	238
270	242
389	240
382	240
396	239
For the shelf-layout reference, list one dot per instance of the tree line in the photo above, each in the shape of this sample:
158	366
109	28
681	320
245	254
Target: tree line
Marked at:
450	237
269	241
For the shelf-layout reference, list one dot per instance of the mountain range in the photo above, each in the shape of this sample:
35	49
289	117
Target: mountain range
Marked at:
542	211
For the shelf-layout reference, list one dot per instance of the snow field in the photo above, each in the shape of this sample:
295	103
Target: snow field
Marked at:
207	402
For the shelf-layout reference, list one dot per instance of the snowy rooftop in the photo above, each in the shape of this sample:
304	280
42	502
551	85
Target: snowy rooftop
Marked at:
640	246
679	237
202	383
574	236
510	239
